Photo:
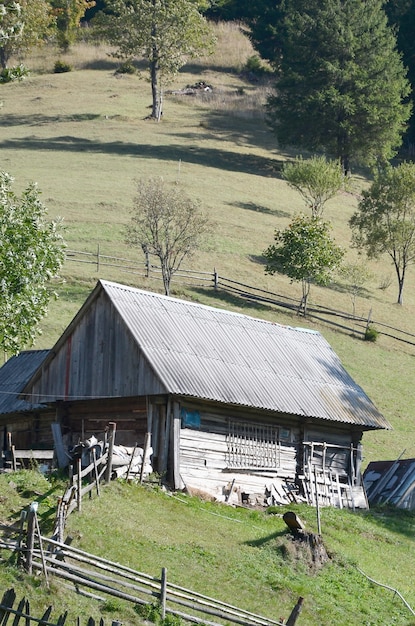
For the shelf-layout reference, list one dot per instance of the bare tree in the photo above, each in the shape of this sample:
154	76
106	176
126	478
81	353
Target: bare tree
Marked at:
167	223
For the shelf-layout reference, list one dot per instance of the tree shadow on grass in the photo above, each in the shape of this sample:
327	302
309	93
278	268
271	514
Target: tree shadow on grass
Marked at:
252	206
208	157
227	298
44	120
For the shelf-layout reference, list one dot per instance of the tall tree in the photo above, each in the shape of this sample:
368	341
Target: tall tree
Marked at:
31	254
342	85
165	32
68	19
167	223
317	180
385	220
304	252
401	15
23	25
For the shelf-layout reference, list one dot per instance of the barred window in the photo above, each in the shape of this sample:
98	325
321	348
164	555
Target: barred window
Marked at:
252	446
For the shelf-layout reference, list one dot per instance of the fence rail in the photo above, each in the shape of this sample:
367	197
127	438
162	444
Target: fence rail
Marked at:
340	320
102	576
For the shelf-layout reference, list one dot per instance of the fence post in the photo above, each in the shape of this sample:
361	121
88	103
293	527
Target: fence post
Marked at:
295	612
108	472
30	537
215	279
79	484
163	592
94	458
97	258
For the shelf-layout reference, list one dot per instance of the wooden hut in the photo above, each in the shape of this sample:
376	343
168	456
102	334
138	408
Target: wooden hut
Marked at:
236	407
23	425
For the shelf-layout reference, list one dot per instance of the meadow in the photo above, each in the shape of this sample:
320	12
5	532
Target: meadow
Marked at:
84	138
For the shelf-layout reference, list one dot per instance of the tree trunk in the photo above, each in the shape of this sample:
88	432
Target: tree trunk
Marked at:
400	291
155	109
4	57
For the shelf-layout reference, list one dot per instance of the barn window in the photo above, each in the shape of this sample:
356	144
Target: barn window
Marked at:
253	446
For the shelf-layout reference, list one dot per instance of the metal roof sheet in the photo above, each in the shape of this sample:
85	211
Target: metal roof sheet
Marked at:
391	481
214	354
14	375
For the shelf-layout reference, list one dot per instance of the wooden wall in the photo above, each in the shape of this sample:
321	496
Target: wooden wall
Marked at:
81	419
28	431
96	358
207	459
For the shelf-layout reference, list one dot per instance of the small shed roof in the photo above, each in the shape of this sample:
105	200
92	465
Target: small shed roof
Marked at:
391	482
14	375
208	353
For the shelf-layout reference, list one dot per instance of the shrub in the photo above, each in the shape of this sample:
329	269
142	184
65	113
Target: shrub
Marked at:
9	74
126	68
371	334
255	65
61	67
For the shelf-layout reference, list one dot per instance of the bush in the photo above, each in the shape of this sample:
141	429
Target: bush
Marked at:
371	334
126	68
9	74
61	67
255	65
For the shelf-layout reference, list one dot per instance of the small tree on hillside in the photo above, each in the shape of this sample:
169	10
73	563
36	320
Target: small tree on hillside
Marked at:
167	223
385	220
165	32
356	275
316	179
31	254
304	252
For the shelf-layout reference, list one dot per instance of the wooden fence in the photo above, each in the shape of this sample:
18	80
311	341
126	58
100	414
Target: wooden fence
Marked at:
23	612
99	578
340	320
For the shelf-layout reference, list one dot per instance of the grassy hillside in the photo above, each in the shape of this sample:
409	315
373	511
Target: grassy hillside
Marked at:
84	138
242	557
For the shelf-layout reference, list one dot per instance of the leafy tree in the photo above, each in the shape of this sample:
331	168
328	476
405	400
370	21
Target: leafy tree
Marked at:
164	32
68	19
316	179
342	85
384	222
167	223
23	25
31	254
304	252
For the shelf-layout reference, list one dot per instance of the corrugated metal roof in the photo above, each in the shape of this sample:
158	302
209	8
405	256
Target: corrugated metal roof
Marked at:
14	375
391	482
204	352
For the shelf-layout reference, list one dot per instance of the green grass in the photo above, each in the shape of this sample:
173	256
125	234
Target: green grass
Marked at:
83	137
242	557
